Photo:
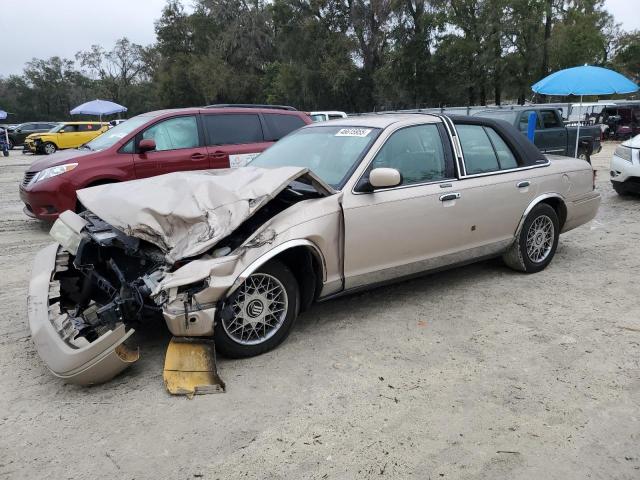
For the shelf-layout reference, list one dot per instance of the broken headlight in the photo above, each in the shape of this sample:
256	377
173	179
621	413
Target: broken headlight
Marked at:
66	236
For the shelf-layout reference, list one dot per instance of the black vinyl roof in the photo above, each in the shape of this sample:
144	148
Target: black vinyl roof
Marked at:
526	152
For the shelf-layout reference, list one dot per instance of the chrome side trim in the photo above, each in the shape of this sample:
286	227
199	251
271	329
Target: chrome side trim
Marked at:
500	172
532	204
390	275
274	252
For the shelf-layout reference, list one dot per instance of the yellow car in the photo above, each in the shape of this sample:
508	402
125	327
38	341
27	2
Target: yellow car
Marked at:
64	135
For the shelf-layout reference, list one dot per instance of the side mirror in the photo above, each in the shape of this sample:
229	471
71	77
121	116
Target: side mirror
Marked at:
147	145
385	178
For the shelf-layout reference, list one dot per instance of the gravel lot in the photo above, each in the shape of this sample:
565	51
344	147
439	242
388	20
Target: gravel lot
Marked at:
475	373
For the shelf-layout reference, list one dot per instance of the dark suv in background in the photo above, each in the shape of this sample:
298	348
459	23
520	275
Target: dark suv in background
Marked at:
154	143
18	133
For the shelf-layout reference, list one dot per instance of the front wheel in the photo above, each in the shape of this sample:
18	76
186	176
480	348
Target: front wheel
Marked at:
258	316
49	148
536	244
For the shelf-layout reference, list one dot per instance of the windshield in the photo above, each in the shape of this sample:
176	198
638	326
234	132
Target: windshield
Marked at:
113	135
331	152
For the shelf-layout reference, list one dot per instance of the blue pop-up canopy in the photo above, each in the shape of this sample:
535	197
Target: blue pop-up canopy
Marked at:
585	80
98	107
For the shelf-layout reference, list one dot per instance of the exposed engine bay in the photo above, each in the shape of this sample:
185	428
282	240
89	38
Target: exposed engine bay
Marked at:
112	277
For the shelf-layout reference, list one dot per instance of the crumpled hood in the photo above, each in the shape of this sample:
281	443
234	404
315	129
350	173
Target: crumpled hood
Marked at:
187	213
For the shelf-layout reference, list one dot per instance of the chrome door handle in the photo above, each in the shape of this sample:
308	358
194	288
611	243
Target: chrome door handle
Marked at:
524	184
449	196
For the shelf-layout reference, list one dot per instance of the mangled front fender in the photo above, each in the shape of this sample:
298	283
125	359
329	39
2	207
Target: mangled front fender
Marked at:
67	355
312	224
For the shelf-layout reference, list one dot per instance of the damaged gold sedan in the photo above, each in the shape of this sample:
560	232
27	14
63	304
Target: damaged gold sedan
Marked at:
234	255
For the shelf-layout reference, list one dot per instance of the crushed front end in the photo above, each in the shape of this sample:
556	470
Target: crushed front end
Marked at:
88	294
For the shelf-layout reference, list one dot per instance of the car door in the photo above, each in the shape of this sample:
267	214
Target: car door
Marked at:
69	136
86	133
233	139
413	227
178	147
494	191
552	136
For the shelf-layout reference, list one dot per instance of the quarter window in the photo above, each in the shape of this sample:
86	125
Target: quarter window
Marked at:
175	133
281	125
524	120
233	129
417	153
484	150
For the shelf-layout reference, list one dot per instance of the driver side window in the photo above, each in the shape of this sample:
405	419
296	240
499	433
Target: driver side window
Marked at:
174	133
417	153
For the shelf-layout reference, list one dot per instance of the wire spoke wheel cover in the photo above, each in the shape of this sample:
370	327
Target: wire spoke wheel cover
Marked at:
259	309
540	238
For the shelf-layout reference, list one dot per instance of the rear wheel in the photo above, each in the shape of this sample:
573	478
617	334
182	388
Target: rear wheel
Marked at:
537	242
259	315
49	148
619	188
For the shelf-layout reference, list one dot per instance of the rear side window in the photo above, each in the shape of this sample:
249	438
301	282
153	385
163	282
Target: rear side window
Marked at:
174	133
279	126
505	156
549	119
484	150
233	129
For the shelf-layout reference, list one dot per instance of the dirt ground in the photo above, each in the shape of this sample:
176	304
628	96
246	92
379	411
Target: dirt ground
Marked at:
475	373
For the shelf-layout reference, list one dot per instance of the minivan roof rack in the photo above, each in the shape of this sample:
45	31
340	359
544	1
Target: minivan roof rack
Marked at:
250	105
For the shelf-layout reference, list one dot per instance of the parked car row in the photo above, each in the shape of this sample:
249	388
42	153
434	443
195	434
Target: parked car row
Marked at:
150	144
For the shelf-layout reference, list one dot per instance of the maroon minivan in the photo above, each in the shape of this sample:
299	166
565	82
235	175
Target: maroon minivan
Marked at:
152	144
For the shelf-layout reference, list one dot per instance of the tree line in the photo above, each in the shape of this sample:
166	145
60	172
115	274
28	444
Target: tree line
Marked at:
352	55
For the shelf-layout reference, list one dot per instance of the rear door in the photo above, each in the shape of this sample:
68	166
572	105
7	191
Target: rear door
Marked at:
552	136
178	147
493	193
69	136
233	139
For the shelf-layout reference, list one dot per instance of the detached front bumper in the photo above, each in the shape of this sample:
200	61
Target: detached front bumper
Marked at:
69	357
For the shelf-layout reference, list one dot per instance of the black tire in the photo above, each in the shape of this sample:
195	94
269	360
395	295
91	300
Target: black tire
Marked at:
619	188
517	257
49	148
229	321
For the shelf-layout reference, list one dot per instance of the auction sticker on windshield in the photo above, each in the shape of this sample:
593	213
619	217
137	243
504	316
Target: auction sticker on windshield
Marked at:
353	132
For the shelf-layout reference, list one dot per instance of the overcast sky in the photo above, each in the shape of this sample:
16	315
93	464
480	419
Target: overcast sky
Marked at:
44	28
